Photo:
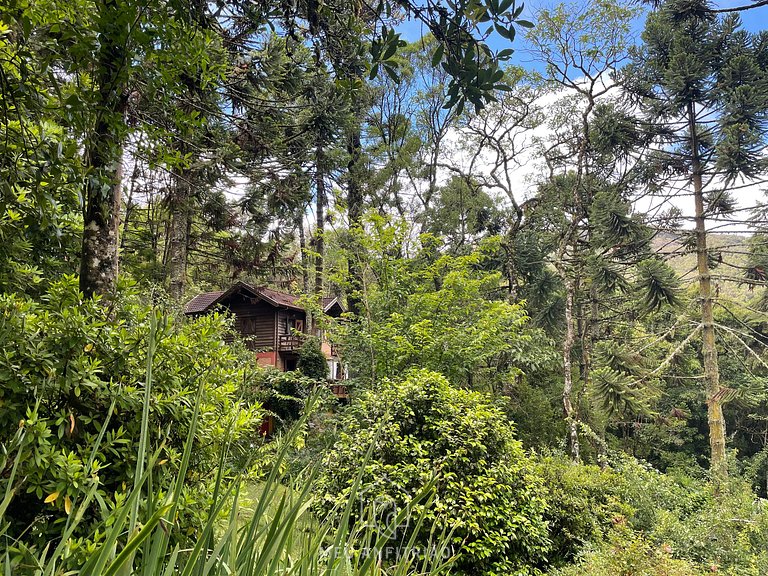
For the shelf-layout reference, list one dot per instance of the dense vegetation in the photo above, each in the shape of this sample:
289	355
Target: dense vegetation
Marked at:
546	229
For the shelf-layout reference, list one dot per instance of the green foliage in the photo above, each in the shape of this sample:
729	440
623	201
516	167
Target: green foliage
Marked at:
617	393
446	313
630	519
312	361
534	405
488	497
720	529
74	370
583	504
728	530
613	221
286	394
271	534
462	213
630	554
647	491
691	57
657	284
40	164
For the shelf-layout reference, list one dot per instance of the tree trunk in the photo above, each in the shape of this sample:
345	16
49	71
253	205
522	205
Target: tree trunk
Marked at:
303	250
354	213
320	224
568	410
178	234
589	337
718	463
104	159
101	223
129	204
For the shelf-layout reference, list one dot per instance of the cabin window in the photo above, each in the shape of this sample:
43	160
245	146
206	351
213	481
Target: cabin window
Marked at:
294	324
336	370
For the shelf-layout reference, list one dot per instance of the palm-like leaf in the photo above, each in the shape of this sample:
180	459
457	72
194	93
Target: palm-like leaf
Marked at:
657	284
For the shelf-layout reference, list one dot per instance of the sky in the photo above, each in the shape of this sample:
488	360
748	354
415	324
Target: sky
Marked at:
753	20
525	176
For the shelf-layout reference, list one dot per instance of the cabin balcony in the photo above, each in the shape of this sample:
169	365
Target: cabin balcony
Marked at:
339	390
294	342
290	342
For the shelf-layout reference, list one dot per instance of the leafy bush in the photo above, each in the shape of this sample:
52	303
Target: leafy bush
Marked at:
629	554
486	494
312	362
272	534
284	394
714	529
649	492
74	370
727	530
582	505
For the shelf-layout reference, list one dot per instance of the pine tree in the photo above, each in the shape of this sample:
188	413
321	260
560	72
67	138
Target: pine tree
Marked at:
701	82
583	212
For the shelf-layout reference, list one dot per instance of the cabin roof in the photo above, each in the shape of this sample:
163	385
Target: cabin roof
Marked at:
201	302
206	300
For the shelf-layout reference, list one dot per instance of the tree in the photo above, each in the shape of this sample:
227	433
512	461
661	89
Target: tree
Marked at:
701	82
420	425
312	362
494	143
114	43
583	214
462	214
438	311
40	164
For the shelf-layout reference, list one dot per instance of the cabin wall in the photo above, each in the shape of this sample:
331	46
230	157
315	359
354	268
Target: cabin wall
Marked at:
283	318
256	321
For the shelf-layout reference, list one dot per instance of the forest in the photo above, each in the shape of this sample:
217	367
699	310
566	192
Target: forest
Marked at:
383	288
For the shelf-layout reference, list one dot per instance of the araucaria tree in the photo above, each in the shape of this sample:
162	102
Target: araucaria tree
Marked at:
701	82
583	213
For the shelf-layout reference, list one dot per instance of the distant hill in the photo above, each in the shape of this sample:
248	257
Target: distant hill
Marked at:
729	257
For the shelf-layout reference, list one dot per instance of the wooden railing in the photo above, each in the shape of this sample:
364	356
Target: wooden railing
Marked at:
290	342
339	390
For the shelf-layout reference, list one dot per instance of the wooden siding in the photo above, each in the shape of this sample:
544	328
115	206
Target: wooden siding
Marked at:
283	317
256	322
259	331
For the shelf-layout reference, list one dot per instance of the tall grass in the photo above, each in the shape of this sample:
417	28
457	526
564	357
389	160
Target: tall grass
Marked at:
273	534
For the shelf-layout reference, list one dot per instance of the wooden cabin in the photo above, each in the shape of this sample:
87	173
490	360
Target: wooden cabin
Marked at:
273	325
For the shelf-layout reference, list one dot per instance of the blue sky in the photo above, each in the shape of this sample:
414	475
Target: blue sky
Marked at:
753	20
523	177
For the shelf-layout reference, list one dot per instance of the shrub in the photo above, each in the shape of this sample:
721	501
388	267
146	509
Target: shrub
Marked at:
486	492
312	362
727	531
723	530
582	505
629	554
649	492
69	366
284	394
273	535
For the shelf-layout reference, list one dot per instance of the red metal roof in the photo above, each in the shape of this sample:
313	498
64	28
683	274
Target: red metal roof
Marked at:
279	298
203	302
